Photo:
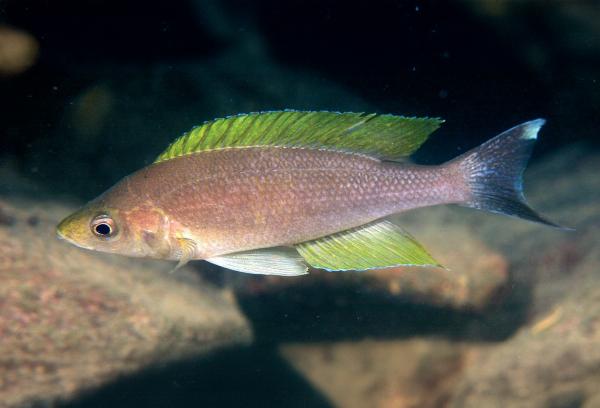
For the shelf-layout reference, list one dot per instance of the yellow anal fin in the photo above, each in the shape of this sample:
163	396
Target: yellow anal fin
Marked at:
373	246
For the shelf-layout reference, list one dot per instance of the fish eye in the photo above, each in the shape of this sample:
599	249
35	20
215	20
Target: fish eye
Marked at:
103	226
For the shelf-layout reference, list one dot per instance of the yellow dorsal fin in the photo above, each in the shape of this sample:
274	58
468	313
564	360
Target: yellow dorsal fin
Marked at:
384	136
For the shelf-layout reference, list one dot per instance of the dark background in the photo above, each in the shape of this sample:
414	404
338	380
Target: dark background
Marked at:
115	81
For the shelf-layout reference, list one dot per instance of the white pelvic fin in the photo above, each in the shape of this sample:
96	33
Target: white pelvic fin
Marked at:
269	261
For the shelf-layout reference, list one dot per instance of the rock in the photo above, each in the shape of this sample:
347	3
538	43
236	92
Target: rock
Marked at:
554	359
18	50
551	362
417	373
72	320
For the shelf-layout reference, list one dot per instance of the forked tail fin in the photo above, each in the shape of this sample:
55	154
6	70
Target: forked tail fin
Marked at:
494	172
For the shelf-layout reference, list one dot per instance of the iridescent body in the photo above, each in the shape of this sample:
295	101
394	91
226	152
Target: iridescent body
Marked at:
210	203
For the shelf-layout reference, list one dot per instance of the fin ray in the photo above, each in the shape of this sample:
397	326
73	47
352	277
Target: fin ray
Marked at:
377	245
384	136
269	261
494	172
187	251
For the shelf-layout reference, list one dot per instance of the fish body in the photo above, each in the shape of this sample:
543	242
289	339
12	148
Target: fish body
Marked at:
222	203
232	200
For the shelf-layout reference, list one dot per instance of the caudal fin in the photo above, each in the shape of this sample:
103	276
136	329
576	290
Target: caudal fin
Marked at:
494	172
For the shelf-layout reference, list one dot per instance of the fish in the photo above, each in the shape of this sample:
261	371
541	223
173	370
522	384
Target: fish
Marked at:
279	192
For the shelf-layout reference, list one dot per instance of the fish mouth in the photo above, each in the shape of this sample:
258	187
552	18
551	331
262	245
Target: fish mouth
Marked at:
61	236
60	230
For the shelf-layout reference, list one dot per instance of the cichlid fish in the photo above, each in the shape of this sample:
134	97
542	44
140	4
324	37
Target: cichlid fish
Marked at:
275	192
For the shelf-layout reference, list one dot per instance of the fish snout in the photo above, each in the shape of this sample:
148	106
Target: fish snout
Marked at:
62	230
59	234
73	229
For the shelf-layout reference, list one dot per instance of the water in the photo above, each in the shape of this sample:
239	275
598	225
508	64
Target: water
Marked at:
95	91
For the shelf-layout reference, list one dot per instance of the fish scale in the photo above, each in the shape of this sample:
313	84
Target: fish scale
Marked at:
271	196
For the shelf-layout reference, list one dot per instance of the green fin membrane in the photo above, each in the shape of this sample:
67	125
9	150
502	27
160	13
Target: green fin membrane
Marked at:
378	245
270	261
384	136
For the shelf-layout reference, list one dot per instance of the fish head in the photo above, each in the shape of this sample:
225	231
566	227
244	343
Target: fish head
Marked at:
94	227
138	232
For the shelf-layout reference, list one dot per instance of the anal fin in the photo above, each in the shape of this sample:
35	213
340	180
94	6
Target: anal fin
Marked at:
269	261
377	245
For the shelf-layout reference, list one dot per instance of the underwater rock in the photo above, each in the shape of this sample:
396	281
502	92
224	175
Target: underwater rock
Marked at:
554	359
416	373
71	320
18	50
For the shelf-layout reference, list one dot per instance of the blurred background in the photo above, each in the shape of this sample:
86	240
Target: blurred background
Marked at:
92	90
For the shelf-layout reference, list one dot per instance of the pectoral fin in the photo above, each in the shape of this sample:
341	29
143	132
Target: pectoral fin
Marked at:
378	245
269	261
186	252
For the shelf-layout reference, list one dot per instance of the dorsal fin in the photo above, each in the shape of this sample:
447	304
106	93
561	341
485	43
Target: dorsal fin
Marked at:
383	136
